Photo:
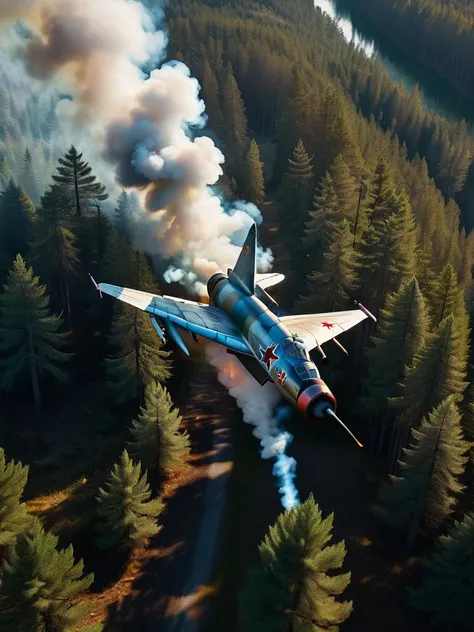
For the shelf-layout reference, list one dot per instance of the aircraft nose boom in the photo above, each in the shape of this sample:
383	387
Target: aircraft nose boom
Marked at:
314	400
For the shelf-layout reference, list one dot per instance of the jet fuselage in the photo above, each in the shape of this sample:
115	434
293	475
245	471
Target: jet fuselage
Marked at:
283	356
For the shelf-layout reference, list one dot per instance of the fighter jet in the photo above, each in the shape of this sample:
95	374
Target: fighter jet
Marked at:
241	316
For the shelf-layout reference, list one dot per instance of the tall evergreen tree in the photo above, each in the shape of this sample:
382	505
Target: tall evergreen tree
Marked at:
294	586
17	215
29	179
295	195
126	513
210	91
318	228
123	216
30	340
254	186
138	358
41	584
118	262
329	289
234	114
13	513
345	188
75	175
157	441
387	250
429	481
53	252
5	174
447	584
401	331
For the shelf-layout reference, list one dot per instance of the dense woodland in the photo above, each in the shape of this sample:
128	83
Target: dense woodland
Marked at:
438	33
372	194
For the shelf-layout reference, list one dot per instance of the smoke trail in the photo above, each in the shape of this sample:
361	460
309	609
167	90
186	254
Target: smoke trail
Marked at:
257	404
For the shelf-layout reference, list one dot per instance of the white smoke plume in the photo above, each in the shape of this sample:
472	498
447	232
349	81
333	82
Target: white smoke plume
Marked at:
140	124
261	409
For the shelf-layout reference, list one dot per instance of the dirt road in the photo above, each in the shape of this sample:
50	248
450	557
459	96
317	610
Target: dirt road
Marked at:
172	592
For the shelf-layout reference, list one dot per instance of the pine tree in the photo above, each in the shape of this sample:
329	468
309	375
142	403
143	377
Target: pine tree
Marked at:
41	584
436	373
329	289
210	91
30	340
387	250
13	513
75	176
29	180
254	187
125	510
294	586
53	252
157	441
345	189
123	217
234	114
17	215
117	264
447	584
318	228
401	331
429	481
295	195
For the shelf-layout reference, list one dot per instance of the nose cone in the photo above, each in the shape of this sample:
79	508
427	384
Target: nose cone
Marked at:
314	400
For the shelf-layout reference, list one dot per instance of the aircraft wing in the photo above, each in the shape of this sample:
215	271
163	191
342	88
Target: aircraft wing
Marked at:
317	329
203	320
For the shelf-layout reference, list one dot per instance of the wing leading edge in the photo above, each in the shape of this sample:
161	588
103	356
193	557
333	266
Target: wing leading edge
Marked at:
316	329
203	320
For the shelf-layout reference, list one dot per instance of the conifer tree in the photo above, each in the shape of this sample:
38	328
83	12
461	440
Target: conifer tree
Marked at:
318	228
30	340
294	586
29	180
210	91
138	358
447	584
157	441
254	186
234	114
387	250
429	481
329	289
401	331
53	252
17	215
41	584
126	513
118	262
436	373
13	513
75	175
295	195
123	216
345	189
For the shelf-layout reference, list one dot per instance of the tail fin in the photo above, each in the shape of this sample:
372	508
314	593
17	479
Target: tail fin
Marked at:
244	270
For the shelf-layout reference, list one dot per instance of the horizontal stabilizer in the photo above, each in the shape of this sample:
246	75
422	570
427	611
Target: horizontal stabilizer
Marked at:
267	280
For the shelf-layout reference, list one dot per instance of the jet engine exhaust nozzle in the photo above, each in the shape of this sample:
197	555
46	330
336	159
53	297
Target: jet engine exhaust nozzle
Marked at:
314	400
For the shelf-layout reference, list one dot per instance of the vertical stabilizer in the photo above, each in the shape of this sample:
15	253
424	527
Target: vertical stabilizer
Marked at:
245	267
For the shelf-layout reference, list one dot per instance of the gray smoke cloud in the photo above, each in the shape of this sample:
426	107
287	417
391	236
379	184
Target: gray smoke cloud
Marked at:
137	126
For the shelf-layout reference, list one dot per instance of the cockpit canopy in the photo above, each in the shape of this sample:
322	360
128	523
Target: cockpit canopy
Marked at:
296	349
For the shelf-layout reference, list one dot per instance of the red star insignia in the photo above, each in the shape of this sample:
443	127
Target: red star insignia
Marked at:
328	325
268	356
245	250
281	377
